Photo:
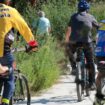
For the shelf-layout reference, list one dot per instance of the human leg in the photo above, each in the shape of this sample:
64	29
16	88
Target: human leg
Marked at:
8	89
71	48
8	83
88	50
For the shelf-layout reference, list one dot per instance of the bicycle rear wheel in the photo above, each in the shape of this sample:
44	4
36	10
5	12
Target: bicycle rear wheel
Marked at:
87	83
79	85
22	93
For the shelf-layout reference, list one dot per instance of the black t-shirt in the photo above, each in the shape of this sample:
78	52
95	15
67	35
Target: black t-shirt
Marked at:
81	25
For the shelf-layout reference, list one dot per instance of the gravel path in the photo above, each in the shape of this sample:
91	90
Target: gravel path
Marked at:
62	93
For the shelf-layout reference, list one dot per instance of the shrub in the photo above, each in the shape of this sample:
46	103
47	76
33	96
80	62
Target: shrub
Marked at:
41	68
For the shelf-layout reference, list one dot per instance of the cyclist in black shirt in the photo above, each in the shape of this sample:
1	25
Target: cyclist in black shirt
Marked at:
80	31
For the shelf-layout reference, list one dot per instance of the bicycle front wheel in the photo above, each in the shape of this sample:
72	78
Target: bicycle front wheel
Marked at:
22	93
79	86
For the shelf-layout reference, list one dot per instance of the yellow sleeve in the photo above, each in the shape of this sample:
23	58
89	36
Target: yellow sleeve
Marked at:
19	23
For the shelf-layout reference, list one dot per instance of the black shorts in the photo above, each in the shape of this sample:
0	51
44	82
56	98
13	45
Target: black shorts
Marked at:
101	64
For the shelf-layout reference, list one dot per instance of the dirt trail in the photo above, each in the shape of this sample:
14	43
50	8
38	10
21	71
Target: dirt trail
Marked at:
62	93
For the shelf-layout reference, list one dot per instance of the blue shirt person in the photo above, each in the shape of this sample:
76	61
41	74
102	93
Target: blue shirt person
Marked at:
42	27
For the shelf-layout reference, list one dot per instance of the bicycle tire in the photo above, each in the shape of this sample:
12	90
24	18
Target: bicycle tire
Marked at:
98	103
11	101
28	96
22	92
94	103
87	91
87	84
79	87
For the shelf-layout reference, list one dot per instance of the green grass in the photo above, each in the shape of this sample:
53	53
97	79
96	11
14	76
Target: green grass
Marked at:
41	68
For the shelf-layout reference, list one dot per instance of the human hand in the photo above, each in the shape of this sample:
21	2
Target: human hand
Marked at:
3	69
32	46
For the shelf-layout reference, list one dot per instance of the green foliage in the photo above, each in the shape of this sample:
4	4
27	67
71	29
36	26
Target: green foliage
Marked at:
41	68
21	5
59	15
98	10
58	12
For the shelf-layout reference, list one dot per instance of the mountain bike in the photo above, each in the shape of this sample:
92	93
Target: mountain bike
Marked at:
22	92
81	75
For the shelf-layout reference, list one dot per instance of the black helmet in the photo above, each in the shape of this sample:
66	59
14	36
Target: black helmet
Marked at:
83	5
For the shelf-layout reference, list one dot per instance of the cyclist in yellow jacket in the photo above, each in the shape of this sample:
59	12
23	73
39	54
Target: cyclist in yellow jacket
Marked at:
9	19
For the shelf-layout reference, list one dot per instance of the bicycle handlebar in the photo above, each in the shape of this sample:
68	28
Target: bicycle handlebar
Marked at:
18	49
26	49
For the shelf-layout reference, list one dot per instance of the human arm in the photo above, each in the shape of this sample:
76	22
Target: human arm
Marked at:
49	29
95	24
3	69
68	32
19	23
49	26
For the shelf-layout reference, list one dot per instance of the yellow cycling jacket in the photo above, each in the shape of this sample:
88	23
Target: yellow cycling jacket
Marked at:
10	18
